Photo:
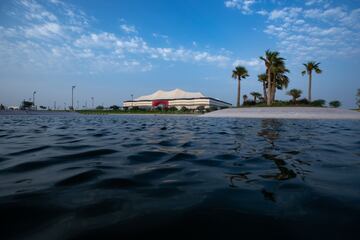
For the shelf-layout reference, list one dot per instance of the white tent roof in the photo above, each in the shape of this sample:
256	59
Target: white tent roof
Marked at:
173	94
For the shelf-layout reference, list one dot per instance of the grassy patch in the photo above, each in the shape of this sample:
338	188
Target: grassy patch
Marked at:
102	112
278	103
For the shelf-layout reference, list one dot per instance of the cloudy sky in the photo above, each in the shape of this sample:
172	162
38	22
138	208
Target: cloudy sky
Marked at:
112	49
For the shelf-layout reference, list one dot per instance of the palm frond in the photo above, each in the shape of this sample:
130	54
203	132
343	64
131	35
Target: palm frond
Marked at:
240	72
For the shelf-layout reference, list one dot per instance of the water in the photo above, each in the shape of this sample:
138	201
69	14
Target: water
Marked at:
103	177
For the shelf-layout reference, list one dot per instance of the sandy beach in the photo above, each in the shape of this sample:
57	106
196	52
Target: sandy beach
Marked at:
287	113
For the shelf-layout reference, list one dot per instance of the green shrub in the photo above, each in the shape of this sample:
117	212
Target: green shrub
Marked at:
200	109
335	104
249	103
184	109
318	103
26	105
303	101
172	109
114	107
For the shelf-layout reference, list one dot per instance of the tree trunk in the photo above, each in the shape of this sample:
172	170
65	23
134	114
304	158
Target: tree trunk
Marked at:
238	94
309	93
264	89
269	88
273	92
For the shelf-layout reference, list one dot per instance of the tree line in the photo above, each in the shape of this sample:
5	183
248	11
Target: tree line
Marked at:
275	78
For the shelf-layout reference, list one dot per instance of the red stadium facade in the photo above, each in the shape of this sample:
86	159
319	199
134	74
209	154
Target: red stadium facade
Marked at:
160	103
176	98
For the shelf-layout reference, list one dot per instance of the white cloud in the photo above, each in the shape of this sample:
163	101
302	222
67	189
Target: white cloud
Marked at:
288	14
128	28
47	30
57	2
253	63
314	2
162	36
315	32
35	11
63	40
243	5
315	28
137	45
326	15
262	12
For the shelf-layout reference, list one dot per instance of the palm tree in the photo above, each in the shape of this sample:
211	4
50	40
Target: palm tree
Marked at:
309	67
273	63
263	78
255	95
295	93
245	98
239	73
281	81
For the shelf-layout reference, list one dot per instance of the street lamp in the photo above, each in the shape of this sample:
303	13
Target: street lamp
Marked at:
72	98
132	100
34	99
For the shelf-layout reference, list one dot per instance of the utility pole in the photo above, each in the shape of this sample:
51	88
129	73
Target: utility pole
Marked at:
34	99
132	100
72	98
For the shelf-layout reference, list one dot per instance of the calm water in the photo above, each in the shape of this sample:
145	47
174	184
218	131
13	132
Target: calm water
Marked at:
101	177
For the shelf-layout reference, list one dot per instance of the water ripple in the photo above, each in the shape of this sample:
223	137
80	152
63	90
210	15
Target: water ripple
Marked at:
98	176
80	178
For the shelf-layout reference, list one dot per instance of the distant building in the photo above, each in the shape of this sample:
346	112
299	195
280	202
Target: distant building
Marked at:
14	108
175	98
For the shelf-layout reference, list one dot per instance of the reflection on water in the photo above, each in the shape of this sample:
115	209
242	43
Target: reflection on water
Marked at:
271	131
76	177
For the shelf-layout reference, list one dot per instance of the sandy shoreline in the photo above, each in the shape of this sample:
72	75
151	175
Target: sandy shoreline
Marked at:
251	112
287	113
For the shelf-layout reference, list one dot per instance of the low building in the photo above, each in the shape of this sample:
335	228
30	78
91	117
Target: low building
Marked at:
13	108
175	98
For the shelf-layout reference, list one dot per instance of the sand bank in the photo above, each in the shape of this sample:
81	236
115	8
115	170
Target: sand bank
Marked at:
287	113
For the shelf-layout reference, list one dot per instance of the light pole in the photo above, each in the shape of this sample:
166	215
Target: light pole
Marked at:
132	100
92	102
72	98
34	99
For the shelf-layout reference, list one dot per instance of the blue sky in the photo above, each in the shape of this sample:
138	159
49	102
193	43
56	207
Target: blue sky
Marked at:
112	49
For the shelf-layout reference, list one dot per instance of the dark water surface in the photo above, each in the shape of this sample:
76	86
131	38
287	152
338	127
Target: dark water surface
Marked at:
127	177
